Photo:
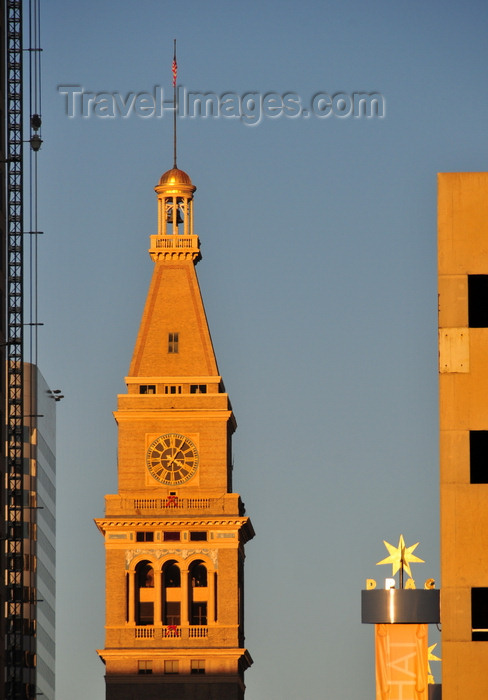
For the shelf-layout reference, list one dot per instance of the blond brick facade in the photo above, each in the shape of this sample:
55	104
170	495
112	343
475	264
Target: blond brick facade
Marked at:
174	533
463	373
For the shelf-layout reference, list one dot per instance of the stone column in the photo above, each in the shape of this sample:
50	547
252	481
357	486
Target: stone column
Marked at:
131	577
211	597
185	619
158	619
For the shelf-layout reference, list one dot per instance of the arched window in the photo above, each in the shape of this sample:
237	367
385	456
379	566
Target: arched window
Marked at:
198	574
171	575
145	575
144	593
171	607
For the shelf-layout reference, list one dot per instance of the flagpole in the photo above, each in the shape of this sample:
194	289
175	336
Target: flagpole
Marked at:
402	565
175	70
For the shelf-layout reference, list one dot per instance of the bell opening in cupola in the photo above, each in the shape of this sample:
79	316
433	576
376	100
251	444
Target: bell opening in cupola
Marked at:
170	214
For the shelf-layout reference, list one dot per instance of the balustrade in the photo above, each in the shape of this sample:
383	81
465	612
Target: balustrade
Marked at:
171	632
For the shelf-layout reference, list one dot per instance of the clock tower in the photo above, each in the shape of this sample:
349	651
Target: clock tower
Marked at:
174	532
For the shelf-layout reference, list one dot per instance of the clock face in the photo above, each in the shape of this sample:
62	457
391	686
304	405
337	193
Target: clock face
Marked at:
172	459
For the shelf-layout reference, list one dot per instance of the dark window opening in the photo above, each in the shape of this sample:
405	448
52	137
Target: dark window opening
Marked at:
198	536
144	536
171	536
145	667
172	389
173	340
198	575
198	613
171	575
198	388
478	456
147	389
145	614
478	301
172	613
198	666
479	614
145	575
216	596
144	578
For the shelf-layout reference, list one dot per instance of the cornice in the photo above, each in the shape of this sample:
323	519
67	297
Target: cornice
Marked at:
168	379
104	524
181	652
128	414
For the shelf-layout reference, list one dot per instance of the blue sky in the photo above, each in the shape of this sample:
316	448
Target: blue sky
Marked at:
319	279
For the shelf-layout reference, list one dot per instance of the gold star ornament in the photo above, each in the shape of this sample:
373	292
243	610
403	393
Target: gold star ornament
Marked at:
431	657
400	557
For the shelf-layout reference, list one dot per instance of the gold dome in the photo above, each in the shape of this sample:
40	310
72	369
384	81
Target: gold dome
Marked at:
175	176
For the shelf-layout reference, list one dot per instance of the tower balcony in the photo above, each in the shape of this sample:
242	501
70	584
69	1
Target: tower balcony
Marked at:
170	506
171	632
173	636
174	248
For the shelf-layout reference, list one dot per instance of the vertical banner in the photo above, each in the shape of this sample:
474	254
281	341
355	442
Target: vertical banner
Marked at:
401	662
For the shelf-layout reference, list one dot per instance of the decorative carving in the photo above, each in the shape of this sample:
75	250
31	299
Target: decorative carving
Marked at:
179	553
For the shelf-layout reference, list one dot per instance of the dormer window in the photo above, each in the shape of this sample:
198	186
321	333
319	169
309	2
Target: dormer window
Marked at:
147	389
198	388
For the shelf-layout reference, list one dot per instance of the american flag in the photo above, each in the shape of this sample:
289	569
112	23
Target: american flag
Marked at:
174	70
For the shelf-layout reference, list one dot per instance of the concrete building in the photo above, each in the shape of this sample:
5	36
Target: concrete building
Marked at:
463	368
175	533
39	545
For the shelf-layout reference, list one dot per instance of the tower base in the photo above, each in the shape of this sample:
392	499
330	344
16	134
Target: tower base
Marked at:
181	688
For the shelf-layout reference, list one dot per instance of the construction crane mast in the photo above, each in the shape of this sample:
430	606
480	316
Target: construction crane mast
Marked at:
19	675
20	503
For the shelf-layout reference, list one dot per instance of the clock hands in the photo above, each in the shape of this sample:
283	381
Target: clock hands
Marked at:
173	460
